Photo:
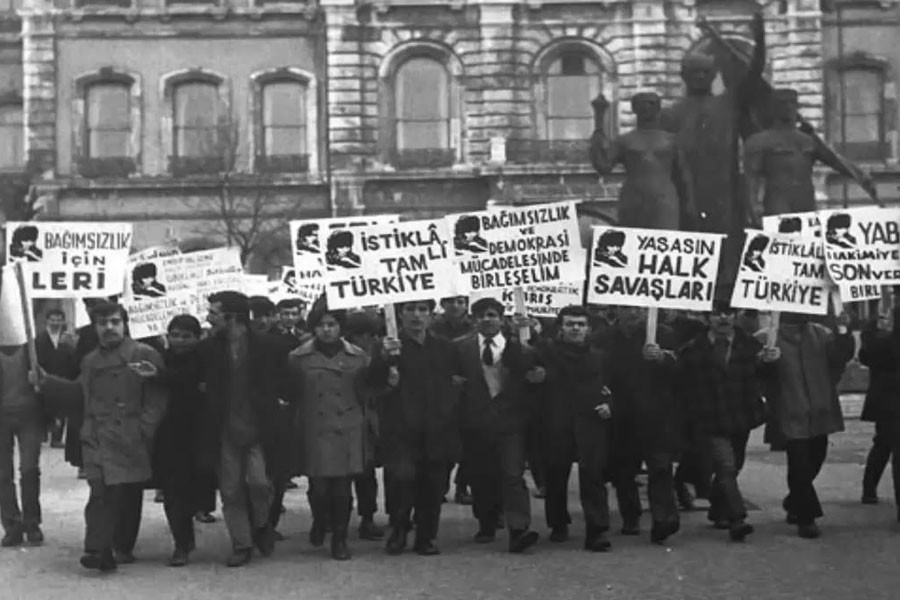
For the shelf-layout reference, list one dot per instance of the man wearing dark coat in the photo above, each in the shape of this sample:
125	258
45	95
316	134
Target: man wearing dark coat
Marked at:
723	372
575	408
496	407
420	426
647	422
245	373
56	355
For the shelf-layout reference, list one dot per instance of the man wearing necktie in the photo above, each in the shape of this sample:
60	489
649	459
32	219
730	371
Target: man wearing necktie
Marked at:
496	406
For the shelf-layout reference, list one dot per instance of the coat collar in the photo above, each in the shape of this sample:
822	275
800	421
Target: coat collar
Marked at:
309	348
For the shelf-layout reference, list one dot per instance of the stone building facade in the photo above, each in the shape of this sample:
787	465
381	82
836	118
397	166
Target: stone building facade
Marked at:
369	106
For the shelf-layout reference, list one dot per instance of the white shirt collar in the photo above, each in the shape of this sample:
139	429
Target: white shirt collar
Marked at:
497	347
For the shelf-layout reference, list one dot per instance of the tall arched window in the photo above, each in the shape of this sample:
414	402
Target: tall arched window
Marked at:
107	120
284	118
571	82
422	107
197	120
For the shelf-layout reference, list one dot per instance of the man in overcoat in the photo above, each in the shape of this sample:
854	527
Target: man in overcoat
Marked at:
245	373
124	401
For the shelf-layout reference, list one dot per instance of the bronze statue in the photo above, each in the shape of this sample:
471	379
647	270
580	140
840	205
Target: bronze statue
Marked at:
708	129
657	189
778	162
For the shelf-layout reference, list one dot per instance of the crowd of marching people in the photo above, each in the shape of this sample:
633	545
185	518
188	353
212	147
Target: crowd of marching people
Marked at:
262	394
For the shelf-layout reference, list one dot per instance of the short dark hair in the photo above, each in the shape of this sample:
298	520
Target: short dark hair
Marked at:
24	233
234	303
55	312
430	302
573	310
340	239
108	309
289	303
466	224
260	306
611	237
187	323
485	304
361	323
320	310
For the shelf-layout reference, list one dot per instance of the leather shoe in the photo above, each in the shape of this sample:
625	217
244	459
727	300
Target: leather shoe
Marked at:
204	517
179	558
559	535
427	549
370	531
485	536
239	558
396	543
809	531
721	524
34	536
265	540
339	549
99	561
522	540
660	532
14	537
124	557
631	527
597	543
317	535
869	498
739	531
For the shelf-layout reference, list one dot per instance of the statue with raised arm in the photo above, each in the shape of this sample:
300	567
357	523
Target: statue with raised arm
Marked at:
708	128
657	189
778	162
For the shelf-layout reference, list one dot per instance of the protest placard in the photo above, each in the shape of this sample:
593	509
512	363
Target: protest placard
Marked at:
383	264
805	224
653	268
517	246
782	272
186	279
543	300
862	250
289	287
71	259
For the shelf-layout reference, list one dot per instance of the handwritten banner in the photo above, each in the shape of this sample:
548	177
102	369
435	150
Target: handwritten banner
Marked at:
71	259
382	264
782	272
150	317
649	267
517	246
862	250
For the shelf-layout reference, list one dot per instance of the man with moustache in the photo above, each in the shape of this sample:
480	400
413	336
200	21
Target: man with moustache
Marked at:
124	402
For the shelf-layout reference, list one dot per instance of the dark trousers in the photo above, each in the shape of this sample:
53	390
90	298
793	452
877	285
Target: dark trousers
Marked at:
330	499
659	486
417	485
205	488
727	454
180	500
112	516
878	457
26	429
460	479
533	454
366	487
73	438
694	465
592	457
496	470
279	488
805	459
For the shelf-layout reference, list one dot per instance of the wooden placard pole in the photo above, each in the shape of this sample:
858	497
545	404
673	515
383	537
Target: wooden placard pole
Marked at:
28	316
772	332
519	302
652	325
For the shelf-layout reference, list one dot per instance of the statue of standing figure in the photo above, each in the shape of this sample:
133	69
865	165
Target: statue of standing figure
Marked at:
778	162
657	189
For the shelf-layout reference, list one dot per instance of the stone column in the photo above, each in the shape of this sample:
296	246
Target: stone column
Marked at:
40	84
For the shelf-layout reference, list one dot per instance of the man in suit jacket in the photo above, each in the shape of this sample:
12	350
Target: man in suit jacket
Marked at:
57	357
495	412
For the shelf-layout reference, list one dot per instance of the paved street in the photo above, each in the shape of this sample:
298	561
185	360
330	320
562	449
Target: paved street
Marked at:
857	557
